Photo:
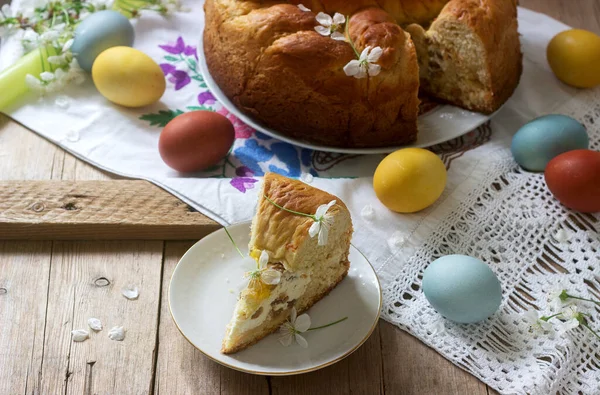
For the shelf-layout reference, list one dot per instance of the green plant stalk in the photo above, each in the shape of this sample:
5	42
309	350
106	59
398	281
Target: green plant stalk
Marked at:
12	79
330	324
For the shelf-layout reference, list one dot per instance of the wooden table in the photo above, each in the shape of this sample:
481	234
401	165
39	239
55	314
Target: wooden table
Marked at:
49	287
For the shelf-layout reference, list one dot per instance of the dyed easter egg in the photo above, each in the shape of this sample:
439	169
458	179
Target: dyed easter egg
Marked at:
574	57
462	288
409	180
98	32
574	179
128	77
543	138
196	140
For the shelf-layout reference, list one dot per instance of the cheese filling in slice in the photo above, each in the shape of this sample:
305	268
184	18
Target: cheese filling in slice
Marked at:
309	271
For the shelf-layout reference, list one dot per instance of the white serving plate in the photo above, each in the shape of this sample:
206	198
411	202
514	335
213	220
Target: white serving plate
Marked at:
443	123
201	301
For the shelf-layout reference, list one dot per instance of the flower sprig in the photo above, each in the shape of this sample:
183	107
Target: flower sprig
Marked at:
292	329
263	273
322	220
569	317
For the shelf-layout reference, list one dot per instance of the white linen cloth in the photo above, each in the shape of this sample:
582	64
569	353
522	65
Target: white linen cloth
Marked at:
490	209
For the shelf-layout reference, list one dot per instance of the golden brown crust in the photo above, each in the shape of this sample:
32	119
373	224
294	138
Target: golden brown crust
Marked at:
270	62
267	58
281	233
267	331
494	22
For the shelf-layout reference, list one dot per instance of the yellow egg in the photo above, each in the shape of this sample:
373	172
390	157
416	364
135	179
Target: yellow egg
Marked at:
574	56
409	180
128	77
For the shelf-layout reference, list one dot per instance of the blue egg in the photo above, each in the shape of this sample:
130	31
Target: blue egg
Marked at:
462	288
98	32
540	140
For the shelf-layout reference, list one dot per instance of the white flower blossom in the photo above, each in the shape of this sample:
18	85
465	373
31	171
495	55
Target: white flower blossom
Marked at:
33	83
47	76
290	331
365	65
556	297
67	46
303	8
323	222
329	26
535	322
59	60
264	273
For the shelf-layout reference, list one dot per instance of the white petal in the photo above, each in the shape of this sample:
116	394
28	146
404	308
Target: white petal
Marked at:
374	55
545	325
331	204
59	74
264	259
338	18
321	210
30	35
324	19
568	325
302	323
130	292
323	235
314	229
301	341
364	54
530	316
117	333
270	277
67	45
362	71
32	82
338	36
352	68
58	60
286	339
7	11
322	30
293	315
303	8
47	76
79	335
374	69
95	324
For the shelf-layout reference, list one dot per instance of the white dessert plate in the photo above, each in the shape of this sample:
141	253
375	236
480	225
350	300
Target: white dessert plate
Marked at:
442	123
203	293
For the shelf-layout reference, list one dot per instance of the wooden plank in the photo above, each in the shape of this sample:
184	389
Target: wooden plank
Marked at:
180	367
86	281
24	271
117	209
359	373
410	367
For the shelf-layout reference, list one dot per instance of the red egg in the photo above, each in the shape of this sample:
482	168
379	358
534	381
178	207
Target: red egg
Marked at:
195	140
574	179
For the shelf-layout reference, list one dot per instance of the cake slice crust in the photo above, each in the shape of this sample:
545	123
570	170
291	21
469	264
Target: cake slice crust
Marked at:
309	271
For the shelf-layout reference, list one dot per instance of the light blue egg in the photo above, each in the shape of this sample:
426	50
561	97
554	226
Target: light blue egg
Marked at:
540	140
462	288
98	32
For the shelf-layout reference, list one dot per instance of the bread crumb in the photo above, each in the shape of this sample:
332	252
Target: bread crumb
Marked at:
307	178
367	212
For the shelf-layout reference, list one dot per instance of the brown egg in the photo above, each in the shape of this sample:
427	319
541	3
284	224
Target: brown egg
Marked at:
574	179
195	140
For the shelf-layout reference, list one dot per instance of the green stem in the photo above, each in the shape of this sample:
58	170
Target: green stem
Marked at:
333	323
233	242
550	317
587	300
350	38
590	329
288	210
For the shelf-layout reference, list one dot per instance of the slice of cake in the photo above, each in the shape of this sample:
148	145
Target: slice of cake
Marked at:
300	260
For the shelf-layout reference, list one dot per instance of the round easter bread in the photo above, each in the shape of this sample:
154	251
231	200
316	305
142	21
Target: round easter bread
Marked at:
271	63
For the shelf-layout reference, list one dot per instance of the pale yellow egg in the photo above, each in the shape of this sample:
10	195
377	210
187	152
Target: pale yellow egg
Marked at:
128	77
409	180
574	57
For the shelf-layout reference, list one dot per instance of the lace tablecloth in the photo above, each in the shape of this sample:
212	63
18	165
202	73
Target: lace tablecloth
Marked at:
490	209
